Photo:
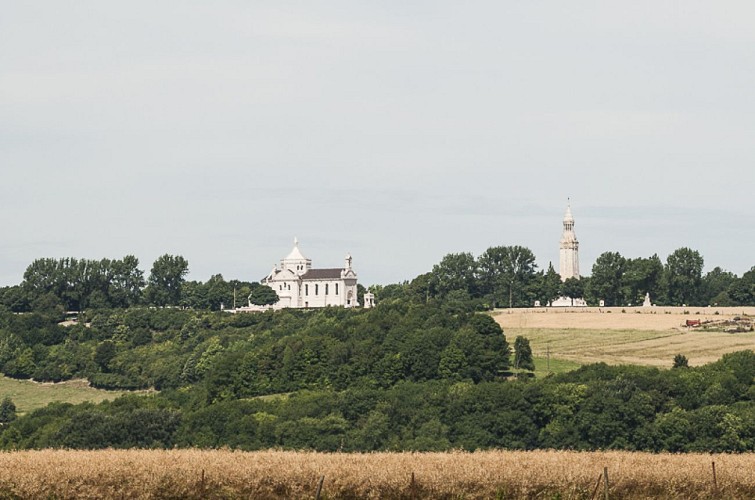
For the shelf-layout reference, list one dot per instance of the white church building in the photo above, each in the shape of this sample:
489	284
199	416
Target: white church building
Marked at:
299	285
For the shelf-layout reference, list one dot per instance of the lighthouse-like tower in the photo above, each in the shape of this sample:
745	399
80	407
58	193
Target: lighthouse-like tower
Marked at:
569	254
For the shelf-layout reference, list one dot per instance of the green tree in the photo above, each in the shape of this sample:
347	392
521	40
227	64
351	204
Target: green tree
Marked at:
104	354
165	280
607	279
262	295
506	274
574	288
715	284
680	361
7	411
742	291
523	354
456	271
683	277
642	276
127	281
548	285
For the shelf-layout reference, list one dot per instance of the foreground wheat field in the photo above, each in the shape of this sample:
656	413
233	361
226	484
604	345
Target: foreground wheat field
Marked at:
282	474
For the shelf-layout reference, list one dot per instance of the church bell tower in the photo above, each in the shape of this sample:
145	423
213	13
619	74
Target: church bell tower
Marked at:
569	253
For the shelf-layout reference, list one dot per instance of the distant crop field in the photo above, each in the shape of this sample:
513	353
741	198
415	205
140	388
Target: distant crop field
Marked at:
28	395
642	336
278	474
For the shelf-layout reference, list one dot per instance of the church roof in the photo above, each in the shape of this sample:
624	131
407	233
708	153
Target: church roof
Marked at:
295	253
322	274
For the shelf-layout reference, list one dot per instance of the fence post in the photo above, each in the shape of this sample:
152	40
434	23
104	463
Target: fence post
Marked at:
597	485
319	488
715	481
605	485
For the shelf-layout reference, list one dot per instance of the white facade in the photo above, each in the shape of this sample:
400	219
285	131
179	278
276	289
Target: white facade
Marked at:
569	249
569	260
298	285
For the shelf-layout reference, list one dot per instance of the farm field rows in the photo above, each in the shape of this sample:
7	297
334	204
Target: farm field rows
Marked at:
638	336
282	474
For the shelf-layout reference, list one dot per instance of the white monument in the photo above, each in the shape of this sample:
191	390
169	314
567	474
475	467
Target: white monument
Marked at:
646	302
569	253
369	300
568	259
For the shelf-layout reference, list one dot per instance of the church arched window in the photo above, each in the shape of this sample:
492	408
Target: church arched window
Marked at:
317	288
326	288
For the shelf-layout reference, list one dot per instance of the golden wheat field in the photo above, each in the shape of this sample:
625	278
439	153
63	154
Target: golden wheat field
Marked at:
283	474
633	335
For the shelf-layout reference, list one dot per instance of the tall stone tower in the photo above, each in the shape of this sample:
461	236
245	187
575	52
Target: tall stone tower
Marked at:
569	254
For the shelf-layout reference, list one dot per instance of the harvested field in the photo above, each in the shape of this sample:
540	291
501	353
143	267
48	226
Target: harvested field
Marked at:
612	318
278	474
642	336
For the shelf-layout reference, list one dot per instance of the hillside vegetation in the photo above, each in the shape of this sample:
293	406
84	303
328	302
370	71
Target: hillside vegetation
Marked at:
397	377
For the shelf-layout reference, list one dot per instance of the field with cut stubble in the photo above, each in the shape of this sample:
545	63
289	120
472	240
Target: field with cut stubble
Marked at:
278	474
632	335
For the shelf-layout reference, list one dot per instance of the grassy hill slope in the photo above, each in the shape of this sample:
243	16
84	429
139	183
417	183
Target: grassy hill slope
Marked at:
28	395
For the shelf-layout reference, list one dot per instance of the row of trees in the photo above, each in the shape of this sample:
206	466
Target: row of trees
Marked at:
503	276
680	281
78	284
508	276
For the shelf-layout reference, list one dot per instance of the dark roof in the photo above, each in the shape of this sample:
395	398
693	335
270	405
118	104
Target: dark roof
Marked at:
322	274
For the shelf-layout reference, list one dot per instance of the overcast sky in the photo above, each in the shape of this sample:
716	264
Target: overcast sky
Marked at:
397	131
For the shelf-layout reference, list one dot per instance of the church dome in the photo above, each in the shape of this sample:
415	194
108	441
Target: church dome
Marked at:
295	253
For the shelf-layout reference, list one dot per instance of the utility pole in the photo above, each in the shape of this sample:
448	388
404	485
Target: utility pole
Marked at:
511	286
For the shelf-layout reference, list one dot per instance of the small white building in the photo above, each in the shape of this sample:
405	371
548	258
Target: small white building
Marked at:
298	285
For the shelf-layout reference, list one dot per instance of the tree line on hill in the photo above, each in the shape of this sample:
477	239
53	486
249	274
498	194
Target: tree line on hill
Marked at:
503	276
402	376
69	284
507	276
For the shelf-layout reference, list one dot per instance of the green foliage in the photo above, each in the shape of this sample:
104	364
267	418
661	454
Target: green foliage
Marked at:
680	361
166	279
574	288
455	272
262	295
548	286
523	354
606	281
683	277
507	275
75	284
642	276
7	411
